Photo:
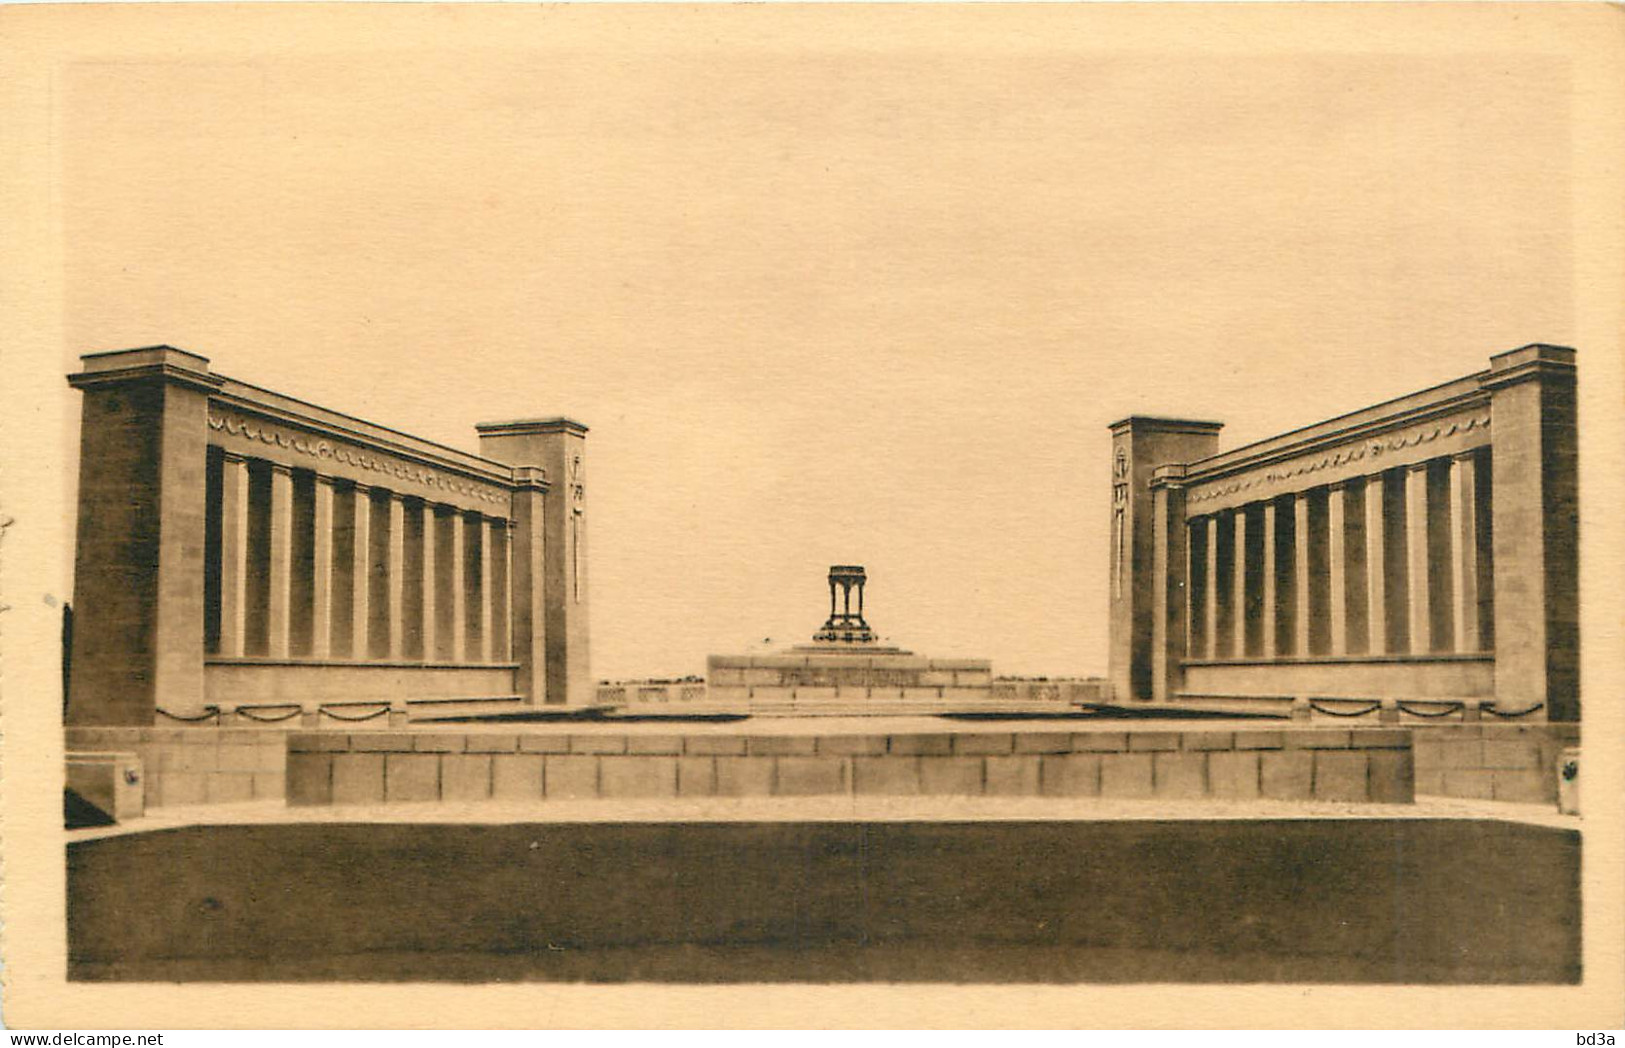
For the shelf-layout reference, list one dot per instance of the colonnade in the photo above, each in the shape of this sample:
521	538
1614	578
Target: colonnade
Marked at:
1395	562
301	565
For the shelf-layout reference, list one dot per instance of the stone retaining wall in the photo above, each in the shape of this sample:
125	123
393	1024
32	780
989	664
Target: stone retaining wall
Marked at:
1503	762
1302	764
202	765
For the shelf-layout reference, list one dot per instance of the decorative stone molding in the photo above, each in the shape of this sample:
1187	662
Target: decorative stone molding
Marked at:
359	458
1362	451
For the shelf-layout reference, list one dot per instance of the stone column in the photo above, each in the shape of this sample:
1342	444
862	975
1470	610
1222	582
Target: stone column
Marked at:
487	573
457	570
1301	608
233	554
1238	591
1464	550
395	570
1168	563
1534	478
1210	597
321	596
280	535
1416	556
1376	568
1271	610
1337	567
558	447
430	586
361	575
496	596
530	584
139	559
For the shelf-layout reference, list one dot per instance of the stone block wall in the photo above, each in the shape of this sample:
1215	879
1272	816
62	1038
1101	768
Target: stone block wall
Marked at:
1502	762
196	765
1362	765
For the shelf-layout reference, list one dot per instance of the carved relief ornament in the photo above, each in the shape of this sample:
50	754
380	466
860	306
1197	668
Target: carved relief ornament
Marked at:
360	458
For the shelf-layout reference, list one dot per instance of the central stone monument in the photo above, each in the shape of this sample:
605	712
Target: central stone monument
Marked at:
846	669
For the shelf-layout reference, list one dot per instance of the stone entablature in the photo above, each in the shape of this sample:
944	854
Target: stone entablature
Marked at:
310	447
1425	546
235	541
1413	411
1348	455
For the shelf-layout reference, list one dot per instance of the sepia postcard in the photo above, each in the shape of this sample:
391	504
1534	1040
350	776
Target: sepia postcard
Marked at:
902	515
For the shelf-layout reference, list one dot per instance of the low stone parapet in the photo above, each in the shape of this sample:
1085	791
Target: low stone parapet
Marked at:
1362	765
196	765
1502	762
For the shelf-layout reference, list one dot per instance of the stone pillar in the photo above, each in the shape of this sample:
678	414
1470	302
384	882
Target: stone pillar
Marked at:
1464	550
1139	446
456	570
1238	591
395	569
280	535
1534	491
139	583
496	595
474	590
1416	556
1337	567
360	573
1210	616
321	594
529	585
1271	609
233	554
486	570
1168	563
558	447
1376	568
1302	605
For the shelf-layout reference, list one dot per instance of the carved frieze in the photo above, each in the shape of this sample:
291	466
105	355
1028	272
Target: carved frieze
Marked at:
259	439
1370	455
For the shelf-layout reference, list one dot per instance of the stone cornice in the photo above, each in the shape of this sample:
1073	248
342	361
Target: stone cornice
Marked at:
249	434
161	363
1530	362
528	427
1369	425
334	425
1158	424
1364	454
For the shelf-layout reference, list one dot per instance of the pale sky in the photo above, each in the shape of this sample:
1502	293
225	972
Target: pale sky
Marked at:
850	298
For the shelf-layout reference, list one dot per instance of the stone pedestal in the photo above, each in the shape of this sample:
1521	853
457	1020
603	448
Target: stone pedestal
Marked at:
139	566
557	446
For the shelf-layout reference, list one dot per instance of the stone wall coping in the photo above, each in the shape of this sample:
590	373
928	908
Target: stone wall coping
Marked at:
1058	738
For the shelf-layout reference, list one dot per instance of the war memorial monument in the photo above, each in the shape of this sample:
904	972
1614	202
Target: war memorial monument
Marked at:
279	607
